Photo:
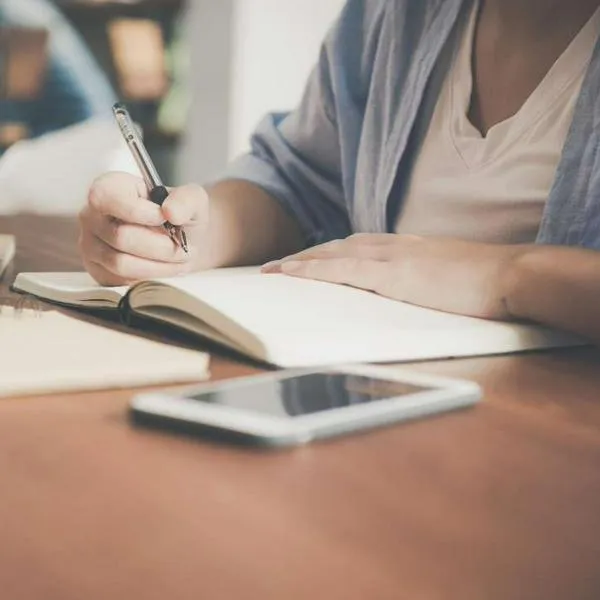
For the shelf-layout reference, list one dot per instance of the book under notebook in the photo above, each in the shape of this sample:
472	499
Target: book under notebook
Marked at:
291	322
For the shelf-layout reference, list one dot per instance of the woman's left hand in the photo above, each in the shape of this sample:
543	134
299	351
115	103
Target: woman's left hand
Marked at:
445	274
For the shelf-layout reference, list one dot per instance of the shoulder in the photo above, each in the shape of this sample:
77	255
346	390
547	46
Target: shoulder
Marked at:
364	24
367	15
366	31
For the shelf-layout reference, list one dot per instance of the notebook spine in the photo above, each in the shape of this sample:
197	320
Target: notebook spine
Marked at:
125	312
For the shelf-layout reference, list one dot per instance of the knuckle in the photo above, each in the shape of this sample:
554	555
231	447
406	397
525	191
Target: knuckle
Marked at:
118	263
194	192
185	203
119	236
85	246
101	185
109	257
359	237
94	196
113	194
127	212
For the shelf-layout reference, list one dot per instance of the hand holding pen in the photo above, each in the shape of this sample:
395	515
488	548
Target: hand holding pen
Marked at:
157	191
122	226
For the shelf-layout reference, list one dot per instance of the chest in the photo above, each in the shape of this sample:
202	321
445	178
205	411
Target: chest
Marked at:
507	70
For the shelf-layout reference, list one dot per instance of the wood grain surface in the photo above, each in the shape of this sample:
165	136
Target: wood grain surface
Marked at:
500	502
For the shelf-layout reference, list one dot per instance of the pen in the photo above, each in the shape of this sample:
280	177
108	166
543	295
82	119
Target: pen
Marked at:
156	189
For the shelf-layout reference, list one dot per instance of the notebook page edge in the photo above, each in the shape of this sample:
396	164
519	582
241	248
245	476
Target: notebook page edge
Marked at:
70	289
459	335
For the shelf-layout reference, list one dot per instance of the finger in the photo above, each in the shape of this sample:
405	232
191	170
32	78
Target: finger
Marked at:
361	273
152	243
327	250
124	197
371	239
126	267
380	250
185	205
377	246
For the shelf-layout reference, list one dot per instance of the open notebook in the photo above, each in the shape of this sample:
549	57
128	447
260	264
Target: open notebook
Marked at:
293	322
50	352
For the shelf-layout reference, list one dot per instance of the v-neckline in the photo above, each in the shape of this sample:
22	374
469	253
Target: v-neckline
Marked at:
478	150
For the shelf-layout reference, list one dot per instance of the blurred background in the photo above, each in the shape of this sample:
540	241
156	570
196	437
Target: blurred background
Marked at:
197	75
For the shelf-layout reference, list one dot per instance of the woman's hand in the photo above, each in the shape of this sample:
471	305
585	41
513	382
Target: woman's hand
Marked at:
122	238
232	223
445	274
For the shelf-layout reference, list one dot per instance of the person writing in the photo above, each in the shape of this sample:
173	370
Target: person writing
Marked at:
444	154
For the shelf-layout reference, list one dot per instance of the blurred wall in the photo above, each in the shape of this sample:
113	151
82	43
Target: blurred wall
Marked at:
249	57
205	144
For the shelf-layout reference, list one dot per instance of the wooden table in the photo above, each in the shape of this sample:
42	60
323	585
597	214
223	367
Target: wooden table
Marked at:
500	502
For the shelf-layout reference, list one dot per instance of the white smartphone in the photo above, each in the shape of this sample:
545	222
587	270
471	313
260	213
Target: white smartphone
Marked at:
294	407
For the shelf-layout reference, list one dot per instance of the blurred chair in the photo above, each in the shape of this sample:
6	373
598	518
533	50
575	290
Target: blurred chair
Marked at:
49	174
23	60
56	127
50	78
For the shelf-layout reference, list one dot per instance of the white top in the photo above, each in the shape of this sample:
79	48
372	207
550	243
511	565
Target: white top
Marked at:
494	189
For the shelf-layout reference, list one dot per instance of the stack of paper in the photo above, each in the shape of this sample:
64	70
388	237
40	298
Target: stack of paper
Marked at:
46	352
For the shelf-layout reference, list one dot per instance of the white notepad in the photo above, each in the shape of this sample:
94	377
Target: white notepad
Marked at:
47	352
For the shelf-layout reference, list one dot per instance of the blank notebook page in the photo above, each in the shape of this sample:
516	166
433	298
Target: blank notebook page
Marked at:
44	352
305	322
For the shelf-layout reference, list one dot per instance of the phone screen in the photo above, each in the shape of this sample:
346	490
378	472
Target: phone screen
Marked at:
307	394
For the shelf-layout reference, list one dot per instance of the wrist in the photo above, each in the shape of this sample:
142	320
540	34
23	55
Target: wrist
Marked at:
518	274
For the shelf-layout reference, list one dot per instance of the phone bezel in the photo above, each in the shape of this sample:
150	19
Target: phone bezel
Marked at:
443	394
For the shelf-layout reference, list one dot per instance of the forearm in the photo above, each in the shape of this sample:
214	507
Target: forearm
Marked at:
248	227
557	286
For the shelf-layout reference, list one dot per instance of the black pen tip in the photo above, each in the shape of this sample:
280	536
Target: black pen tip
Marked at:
184	242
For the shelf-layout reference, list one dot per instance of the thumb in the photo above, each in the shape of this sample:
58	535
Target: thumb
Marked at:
185	205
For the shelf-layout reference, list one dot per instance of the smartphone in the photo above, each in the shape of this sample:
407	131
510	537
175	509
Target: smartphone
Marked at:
295	407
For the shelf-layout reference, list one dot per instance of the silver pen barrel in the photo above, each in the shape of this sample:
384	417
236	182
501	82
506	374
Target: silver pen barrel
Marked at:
156	189
140	154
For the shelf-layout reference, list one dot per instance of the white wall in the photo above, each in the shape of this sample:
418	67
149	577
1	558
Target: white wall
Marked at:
205	147
249	57
275	45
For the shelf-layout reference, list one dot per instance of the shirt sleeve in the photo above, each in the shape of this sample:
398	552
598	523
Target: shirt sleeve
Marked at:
296	157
